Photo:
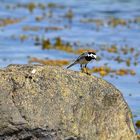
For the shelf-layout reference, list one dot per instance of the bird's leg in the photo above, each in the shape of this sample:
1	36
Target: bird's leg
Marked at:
86	70
82	69
81	66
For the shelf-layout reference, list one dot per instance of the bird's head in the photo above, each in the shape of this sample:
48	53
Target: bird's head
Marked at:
92	55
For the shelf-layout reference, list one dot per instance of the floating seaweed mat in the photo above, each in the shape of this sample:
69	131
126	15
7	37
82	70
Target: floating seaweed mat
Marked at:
7	21
49	62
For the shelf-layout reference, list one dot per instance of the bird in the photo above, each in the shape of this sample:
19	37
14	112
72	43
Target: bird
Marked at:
84	59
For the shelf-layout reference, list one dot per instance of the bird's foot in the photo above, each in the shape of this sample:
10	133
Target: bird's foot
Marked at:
85	70
88	73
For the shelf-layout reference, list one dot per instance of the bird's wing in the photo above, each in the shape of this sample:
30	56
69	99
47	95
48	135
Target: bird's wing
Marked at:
81	56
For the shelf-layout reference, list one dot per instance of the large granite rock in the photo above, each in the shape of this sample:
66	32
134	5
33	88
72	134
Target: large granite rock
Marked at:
51	103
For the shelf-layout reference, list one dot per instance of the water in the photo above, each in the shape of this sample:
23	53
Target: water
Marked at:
88	35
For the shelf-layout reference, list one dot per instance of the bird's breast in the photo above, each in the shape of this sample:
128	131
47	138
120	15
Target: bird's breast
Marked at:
88	58
83	61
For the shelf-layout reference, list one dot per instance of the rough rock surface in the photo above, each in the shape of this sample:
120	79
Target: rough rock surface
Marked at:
51	103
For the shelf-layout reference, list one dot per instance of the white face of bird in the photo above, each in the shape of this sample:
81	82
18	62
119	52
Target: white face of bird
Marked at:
93	55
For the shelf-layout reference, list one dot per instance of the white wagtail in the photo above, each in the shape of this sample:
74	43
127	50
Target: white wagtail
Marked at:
84	59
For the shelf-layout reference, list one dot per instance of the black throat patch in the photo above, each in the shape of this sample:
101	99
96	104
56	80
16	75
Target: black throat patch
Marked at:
88	58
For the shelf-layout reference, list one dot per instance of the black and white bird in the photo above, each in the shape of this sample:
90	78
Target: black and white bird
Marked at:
84	59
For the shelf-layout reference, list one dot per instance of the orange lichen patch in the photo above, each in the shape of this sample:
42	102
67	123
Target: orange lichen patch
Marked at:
80	51
46	44
112	49
104	71
117	21
31	6
59	45
58	42
8	21
102	68
49	62
62	46
98	22
122	72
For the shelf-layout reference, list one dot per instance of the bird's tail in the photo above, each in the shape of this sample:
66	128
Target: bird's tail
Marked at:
71	65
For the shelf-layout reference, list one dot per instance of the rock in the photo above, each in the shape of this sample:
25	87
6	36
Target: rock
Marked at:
50	103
